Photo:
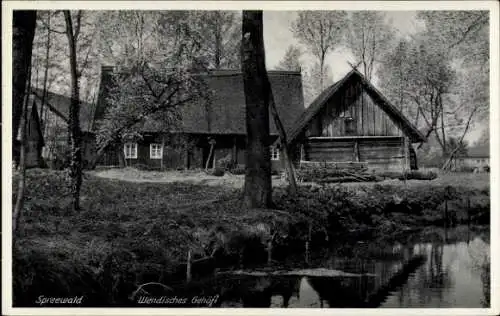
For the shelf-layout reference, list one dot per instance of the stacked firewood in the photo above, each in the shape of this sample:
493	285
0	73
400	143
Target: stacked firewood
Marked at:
340	175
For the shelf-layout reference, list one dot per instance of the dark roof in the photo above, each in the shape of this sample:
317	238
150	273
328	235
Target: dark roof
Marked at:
60	104
408	128
480	151
225	112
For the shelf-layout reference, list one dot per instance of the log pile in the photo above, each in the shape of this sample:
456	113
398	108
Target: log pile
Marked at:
338	175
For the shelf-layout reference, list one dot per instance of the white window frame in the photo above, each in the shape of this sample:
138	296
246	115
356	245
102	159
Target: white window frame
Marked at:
275	153
130	150
155	151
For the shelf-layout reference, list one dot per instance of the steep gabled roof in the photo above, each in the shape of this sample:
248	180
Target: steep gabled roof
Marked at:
59	104
225	113
480	151
301	123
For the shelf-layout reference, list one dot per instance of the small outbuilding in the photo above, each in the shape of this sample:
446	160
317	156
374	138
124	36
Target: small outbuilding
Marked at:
352	123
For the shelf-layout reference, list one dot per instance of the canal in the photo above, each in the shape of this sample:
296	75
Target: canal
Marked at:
433	268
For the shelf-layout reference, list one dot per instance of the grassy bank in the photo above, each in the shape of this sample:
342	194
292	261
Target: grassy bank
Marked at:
129	233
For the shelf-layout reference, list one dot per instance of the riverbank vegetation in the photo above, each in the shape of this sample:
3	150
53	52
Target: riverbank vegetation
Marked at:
129	233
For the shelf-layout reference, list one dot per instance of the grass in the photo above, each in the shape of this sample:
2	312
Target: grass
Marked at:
129	233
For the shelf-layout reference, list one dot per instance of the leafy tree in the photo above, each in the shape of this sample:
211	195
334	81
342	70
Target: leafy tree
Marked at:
320	32
146	94
219	35
484	138
291	60
434	81
464	33
369	36
257	189
313	78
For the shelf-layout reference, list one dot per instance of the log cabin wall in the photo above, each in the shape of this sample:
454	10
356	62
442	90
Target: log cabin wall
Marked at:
351	127
352	112
380	153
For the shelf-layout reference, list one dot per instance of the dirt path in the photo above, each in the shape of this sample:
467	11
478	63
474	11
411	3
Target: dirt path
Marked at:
189	176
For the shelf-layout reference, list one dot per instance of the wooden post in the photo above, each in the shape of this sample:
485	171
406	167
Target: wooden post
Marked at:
162	150
302	154
446	212
405	144
234	161
468	210
307	252
188	267
269	251
308	242
356	151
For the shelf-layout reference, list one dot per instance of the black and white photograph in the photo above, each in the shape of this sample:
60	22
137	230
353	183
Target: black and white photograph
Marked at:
235	156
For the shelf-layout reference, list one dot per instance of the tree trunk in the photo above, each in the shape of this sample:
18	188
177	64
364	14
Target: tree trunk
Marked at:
210	153
285	150
257	189
74	119
16	216
23	32
45	74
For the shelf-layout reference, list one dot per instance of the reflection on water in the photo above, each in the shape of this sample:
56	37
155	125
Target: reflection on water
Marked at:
454	275
441	269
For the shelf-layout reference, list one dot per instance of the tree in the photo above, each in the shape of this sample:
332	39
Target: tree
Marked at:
23	29
219	35
434	80
291	60
257	189
147	94
393	70
368	38
464	33
23	32
158	64
313	79
320	32
73	27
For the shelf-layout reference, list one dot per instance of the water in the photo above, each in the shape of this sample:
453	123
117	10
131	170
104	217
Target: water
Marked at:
437	268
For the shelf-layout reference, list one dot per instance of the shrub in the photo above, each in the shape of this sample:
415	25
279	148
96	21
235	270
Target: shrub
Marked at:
218	172
225	162
239	169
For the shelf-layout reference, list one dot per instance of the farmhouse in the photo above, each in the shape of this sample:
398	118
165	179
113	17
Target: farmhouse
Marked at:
352	122
209	134
477	157
51	141
34	137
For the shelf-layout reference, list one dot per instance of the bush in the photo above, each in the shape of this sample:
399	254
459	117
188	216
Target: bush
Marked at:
225	162
218	172
239	169
418	175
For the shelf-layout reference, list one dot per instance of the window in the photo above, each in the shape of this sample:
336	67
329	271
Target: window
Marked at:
349	126
130	150
155	151
275	153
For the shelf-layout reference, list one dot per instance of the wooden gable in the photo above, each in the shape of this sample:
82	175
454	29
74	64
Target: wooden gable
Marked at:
353	107
351	111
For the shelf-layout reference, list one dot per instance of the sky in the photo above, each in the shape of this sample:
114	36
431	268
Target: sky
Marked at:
277	38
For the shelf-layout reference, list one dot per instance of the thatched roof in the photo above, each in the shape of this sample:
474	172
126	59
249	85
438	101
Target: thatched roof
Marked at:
480	151
225	112
394	113
59	104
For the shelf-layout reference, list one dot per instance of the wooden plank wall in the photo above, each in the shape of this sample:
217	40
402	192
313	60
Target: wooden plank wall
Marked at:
353	101
379	152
